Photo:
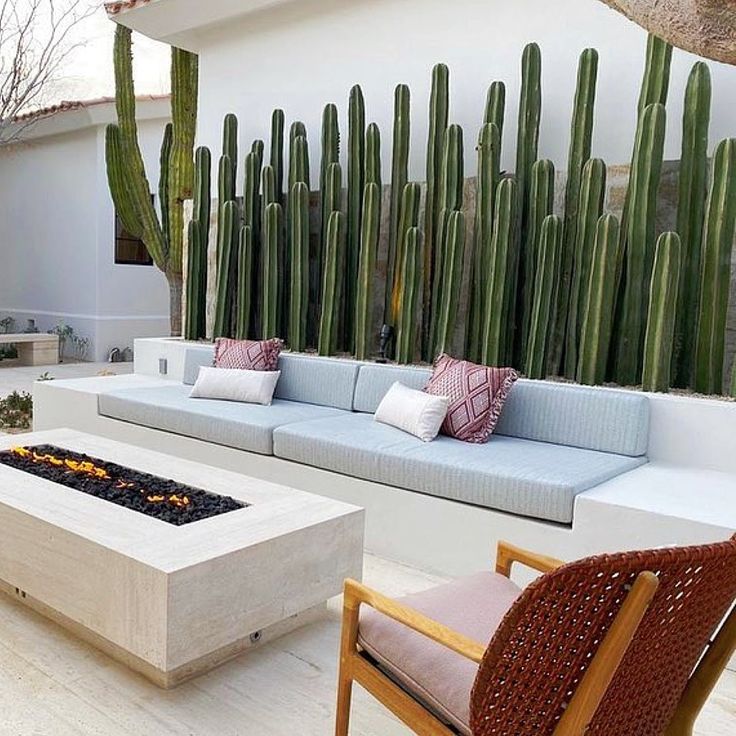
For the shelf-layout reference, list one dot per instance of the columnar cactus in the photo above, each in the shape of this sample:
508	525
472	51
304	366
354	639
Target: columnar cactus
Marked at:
656	80
438	116
718	236
270	271
277	151
330	155
164	239
497	275
399	177
194	318
225	238
411	284
600	296
251	201
495	106
299	266
639	239
530	111
268	188
661	314
331	284
408	218
489	174
452	182
366	269
195	323
693	187
257	147
356	178
546	280
245	282
372	156
332	193
230	142
298	160
452	272
592	192
581	134
541	197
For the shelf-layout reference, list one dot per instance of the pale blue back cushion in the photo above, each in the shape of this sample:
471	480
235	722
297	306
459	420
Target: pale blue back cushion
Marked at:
374	380
577	416
306	378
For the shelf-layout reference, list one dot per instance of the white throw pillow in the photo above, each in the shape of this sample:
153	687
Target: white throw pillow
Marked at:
415	412
235	384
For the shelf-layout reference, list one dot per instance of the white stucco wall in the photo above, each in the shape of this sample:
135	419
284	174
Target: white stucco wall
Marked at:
57	242
301	54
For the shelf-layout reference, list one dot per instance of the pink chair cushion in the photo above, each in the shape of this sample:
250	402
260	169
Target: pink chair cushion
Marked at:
251	355
438	677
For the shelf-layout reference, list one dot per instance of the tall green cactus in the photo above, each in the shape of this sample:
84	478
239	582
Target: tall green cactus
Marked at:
452	183
268	189
129	187
356	178
660	332
332	193
504	226
693	187
399	177
495	106
546	279
272	228
225	238
452	273
372	156
298	160
581	134
591	193
245	282
599	299
642	201
438	116
366	269
541	198
230	141
195	324
408	218
718	236
411	285
656	80
299	266
331	286
489	174
277	151
330	155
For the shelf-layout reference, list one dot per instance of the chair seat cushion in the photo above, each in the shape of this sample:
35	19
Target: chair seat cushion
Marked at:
523	477
243	426
440	678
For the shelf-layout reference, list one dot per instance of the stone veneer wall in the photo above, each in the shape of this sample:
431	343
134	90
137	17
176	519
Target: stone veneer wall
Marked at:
616	191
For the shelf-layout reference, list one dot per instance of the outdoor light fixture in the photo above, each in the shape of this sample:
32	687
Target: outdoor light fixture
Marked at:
386	335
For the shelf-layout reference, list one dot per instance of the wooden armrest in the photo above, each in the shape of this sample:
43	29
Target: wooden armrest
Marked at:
507	554
357	594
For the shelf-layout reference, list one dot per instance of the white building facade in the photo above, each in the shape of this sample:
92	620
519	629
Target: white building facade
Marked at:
58	231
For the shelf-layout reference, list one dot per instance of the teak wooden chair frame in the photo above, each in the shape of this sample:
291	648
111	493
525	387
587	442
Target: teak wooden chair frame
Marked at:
354	667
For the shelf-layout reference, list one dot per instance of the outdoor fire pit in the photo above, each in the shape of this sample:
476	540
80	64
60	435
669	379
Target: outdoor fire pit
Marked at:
168	500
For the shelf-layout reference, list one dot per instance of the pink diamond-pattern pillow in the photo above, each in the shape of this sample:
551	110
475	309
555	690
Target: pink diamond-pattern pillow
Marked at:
477	394
249	355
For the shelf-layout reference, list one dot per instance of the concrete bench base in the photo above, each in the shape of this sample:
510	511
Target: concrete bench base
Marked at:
34	348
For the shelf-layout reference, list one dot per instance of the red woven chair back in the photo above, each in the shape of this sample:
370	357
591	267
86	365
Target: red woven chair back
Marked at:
546	641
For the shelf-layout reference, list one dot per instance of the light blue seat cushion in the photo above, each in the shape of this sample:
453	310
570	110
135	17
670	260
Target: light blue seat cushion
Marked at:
524	477
578	416
243	426
305	378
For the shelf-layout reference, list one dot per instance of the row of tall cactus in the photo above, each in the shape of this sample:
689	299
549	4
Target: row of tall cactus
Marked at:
582	293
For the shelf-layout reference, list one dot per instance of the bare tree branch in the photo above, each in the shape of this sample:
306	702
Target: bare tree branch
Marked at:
36	39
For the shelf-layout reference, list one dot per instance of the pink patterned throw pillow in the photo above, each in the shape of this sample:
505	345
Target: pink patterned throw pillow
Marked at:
249	355
477	394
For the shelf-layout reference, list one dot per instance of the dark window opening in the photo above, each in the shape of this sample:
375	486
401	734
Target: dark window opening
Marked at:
129	250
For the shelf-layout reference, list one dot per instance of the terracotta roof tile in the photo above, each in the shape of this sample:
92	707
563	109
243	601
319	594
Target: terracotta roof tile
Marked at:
120	6
67	105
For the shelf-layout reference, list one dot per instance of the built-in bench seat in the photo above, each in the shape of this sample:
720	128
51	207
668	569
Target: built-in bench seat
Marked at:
553	442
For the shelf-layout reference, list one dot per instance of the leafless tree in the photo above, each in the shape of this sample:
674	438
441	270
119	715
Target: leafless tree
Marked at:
36	38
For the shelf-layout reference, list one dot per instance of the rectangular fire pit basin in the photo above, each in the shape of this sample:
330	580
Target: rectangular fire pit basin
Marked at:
171	601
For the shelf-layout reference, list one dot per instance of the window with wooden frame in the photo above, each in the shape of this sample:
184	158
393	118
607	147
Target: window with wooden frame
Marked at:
129	250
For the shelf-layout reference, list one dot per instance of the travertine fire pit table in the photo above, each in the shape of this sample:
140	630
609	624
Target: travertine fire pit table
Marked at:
171	601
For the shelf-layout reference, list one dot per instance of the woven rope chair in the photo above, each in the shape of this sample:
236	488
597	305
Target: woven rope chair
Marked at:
612	645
